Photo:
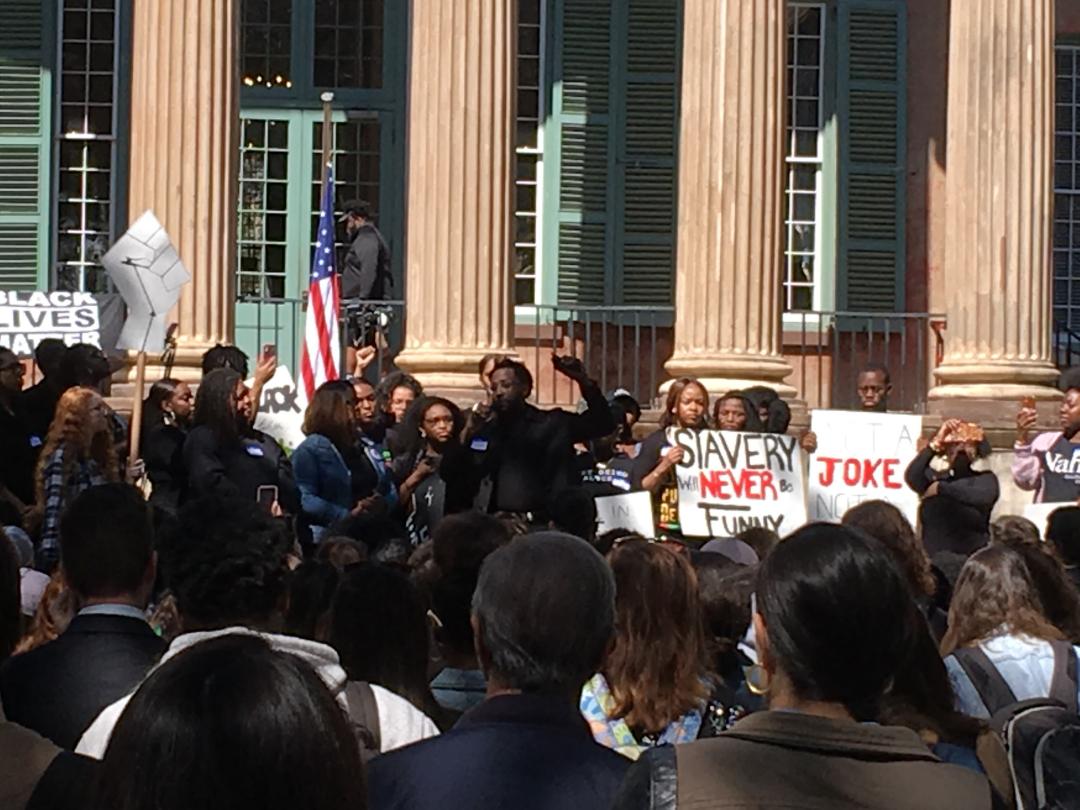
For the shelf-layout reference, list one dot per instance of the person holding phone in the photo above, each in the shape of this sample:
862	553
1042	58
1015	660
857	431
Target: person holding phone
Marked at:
431	428
225	456
1049	463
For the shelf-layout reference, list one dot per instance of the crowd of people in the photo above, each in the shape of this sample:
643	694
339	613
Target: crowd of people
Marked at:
415	608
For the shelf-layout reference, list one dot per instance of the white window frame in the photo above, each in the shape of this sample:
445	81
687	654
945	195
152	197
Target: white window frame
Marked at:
1070	195
529	309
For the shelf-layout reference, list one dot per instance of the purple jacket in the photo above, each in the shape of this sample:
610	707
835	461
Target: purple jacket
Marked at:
1027	466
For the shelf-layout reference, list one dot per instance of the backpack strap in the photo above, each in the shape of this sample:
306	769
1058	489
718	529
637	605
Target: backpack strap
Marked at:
993	690
364	712
1063	687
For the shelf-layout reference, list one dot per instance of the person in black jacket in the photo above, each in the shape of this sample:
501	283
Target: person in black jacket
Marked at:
526	746
365	270
59	688
166	417
225	456
956	504
514	457
18	448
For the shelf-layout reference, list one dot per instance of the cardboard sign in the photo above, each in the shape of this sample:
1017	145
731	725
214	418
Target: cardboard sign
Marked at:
861	457
729	482
27	318
632	512
280	414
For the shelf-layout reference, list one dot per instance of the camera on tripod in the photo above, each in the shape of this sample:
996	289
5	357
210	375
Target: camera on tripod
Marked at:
366	321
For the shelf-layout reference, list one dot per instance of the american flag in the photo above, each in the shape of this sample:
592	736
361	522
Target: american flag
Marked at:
322	346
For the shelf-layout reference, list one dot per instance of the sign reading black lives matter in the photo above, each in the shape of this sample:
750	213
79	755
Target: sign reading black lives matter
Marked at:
27	318
730	482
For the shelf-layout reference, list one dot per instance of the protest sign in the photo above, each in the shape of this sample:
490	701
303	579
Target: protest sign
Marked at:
280	415
27	318
729	482
632	511
861	457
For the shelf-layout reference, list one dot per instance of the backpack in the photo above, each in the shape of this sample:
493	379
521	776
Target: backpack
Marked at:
1041	736
364	718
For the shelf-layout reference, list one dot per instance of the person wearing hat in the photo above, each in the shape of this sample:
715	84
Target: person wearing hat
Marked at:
365	270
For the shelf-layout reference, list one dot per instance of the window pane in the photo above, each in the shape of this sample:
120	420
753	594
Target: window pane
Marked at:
262	227
1066	230
265	43
348	43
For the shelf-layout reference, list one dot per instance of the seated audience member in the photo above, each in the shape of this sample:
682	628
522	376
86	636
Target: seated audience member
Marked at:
37	404
379	626
573	511
1063	535
687	407
654	688
226	564
320	462
1011	530
512	461
78	454
1058	597
18	446
872	387
106	545
833	624
724	590
526	746
166	418
55	610
34	773
887	524
760	539
997	620
956	503
226	457
341	552
312	587
233	723
460	684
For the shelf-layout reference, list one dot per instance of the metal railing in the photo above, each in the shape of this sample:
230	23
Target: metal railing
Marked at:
1066	346
626	347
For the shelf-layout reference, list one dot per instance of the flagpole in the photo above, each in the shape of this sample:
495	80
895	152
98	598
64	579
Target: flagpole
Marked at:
327	137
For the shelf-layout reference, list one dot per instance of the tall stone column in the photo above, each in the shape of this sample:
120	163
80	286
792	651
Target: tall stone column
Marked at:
459	208
999	199
731	186
184	141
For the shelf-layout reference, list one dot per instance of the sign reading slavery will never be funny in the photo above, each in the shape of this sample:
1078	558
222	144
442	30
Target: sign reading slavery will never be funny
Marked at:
729	482
27	318
861	457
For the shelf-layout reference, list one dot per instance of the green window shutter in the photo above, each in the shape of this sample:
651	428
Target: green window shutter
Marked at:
24	144
647	153
873	144
582	121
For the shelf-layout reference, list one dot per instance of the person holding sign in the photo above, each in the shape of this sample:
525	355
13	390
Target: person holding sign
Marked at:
956	504
654	468
1049	464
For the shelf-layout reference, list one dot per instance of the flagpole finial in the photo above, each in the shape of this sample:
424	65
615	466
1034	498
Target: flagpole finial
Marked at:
326	97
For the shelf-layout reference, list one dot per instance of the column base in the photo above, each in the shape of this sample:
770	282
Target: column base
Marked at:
722	373
452	373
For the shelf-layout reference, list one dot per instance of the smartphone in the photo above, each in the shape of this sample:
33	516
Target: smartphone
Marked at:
1028	403
269	350
266	496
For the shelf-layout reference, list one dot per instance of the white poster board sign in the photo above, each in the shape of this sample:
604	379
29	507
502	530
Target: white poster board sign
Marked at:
729	482
860	457
632	512
280	415
27	318
1039	514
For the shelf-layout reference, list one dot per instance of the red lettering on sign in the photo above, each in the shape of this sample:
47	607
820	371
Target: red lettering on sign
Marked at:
754	485
867	473
826	476
890	470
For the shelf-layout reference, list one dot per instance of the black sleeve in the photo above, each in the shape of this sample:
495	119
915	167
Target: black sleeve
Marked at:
916	472
462	477
288	494
596	421
651	783
981	490
205	469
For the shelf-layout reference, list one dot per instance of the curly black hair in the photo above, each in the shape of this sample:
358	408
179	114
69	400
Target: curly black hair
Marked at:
224	559
225	357
411	440
391	382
